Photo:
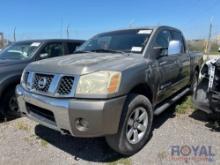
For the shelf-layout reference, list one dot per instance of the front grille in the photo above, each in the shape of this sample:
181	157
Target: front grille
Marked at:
53	85
66	85
40	111
43	87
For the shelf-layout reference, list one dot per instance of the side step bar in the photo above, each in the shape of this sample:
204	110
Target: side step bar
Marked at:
167	104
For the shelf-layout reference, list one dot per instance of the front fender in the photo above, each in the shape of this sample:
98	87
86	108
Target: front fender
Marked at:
7	81
145	74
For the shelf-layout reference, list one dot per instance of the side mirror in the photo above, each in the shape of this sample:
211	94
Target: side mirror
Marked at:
44	55
159	51
174	48
219	49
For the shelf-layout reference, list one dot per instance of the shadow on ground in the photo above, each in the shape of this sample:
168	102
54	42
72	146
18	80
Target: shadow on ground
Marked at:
167	114
7	118
211	121
89	149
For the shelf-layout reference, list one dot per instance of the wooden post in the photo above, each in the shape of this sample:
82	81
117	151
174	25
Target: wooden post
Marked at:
1	40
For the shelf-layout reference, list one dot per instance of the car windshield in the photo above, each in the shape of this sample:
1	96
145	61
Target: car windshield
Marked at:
118	41
20	50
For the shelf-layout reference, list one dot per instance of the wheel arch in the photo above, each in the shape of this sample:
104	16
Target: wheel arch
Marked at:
143	89
197	69
9	83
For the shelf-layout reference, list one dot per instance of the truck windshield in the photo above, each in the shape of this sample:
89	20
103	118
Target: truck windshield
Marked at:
118	41
21	51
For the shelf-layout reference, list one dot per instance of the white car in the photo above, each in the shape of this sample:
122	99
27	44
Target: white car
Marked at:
207	94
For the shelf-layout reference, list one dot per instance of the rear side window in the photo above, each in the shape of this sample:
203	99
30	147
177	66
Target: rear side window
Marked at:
53	49
178	37
72	47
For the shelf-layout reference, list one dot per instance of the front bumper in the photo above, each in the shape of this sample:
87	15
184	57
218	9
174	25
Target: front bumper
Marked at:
102	117
207	101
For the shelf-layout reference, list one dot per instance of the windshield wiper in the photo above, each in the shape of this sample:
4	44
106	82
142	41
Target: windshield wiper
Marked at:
82	51
109	51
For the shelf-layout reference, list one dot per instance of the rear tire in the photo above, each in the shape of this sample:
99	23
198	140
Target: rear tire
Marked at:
195	82
135	126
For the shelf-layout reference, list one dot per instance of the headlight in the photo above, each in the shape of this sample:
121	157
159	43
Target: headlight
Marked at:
24	79
22	76
103	82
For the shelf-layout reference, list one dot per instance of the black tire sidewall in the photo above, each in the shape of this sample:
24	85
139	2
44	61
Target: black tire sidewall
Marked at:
5	103
122	145
195	78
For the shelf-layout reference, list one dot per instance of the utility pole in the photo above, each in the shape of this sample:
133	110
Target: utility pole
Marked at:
208	46
61	28
14	34
67	32
1	40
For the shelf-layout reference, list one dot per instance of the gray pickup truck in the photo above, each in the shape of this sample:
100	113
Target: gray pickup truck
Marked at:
15	57
113	86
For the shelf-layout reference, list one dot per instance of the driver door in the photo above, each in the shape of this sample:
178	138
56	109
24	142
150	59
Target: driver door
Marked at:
168	66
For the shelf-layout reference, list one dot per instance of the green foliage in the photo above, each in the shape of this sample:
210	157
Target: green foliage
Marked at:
196	45
185	107
200	45
121	162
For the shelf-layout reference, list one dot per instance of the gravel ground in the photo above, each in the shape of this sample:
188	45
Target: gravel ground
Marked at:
25	142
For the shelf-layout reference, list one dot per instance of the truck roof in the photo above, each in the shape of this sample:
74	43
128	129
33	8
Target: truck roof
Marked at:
147	27
52	40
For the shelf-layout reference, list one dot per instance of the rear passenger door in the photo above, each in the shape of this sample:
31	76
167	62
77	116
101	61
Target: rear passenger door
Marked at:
183	61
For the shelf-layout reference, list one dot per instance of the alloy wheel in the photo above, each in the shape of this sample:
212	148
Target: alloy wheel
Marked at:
137	125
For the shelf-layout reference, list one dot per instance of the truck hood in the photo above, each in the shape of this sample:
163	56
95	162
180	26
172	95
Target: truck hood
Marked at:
85	63
10	62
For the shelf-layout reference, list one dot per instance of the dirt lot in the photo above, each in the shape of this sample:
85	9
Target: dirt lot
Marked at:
25	142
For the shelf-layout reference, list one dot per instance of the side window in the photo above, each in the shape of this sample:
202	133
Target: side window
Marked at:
72	47
178	37
163	39
53	49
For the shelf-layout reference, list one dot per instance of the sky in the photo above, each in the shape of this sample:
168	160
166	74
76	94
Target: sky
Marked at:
36	19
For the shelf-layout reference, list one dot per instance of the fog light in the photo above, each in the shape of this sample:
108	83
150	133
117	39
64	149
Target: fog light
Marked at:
81	124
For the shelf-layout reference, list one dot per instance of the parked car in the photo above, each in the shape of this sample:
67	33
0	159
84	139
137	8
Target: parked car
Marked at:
114	86
15	57
207	95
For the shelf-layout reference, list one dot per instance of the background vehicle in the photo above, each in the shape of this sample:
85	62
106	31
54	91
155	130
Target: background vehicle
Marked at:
113	87
207	95
14	58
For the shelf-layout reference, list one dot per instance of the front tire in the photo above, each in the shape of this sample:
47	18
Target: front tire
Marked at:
135	126
10	105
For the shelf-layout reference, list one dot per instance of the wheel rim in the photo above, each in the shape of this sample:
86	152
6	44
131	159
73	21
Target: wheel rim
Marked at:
13	105
137	125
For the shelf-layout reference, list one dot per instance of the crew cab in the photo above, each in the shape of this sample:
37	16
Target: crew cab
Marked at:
15	57
113	86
